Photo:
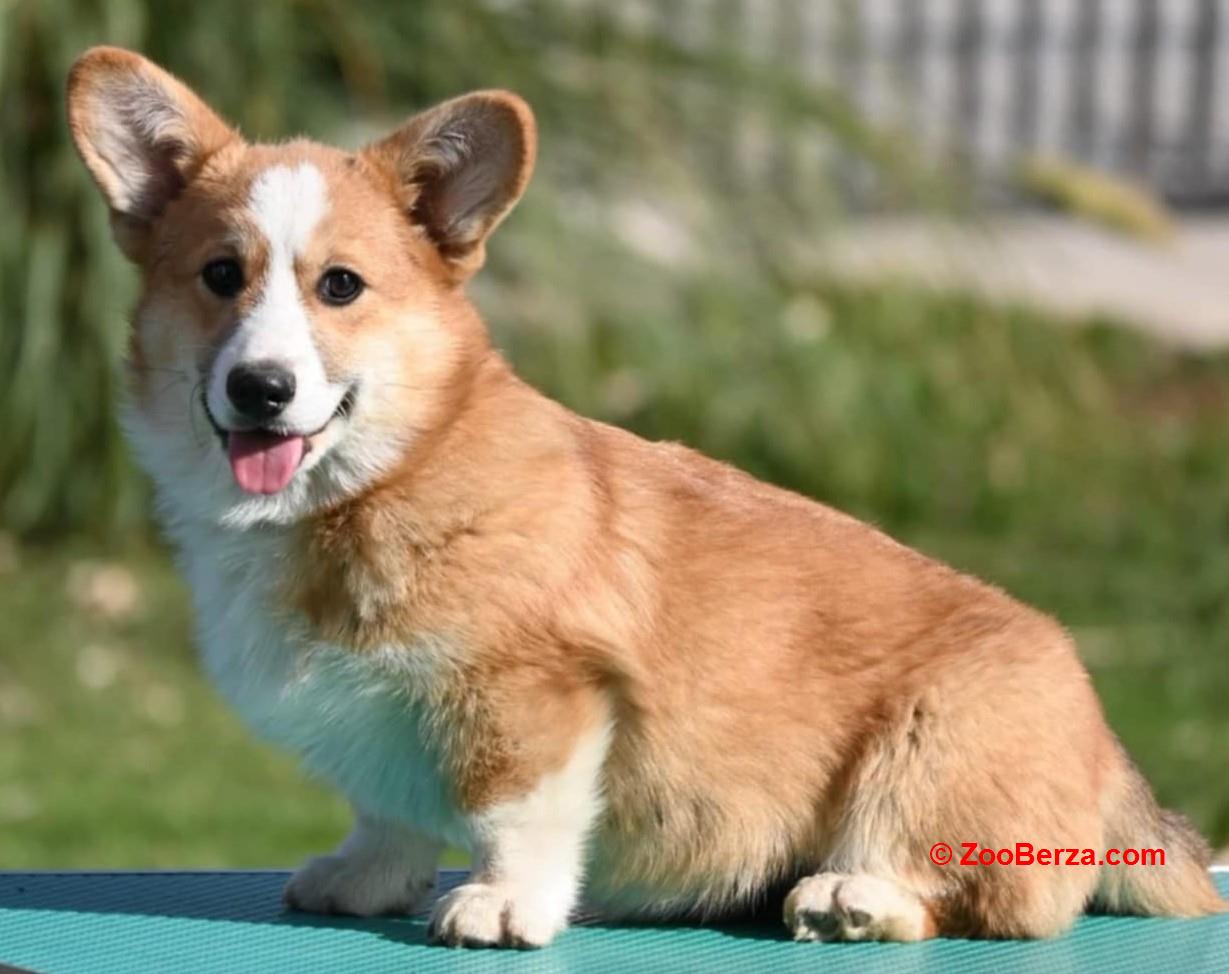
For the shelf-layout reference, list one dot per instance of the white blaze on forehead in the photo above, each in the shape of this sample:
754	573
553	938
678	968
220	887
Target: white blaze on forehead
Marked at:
286	204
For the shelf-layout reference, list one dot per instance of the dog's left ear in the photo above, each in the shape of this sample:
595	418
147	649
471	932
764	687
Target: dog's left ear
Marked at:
460	168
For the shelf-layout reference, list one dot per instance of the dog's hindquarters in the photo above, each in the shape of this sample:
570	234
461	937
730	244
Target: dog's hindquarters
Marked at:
1000	742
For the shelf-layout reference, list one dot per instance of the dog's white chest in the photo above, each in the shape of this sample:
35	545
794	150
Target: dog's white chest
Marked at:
358	721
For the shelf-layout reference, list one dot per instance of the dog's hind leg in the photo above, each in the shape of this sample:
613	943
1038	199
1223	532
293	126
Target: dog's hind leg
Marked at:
997	745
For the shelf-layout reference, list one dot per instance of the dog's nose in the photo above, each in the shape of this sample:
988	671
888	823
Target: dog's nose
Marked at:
260	390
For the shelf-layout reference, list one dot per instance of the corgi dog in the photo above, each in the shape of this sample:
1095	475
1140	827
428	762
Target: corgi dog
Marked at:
607	667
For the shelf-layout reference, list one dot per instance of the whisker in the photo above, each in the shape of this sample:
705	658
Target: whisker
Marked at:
219	476
192	412
166	388
411	386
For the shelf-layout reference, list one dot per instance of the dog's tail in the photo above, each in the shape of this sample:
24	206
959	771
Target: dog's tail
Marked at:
1171	877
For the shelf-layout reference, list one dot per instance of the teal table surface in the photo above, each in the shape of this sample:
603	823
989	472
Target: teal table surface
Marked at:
233	922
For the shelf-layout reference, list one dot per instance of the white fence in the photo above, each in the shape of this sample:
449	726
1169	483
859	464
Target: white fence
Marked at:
1139	87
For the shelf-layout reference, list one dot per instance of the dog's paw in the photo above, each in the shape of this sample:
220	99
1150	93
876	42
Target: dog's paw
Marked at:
490	915
356	886
835	906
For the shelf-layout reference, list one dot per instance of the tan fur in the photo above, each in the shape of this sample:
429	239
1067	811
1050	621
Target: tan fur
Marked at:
792	691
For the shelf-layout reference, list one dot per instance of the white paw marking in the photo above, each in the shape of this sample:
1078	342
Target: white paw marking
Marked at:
487	915
356	886
836	906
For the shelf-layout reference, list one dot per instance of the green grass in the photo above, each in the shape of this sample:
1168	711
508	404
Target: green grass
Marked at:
114	751
1081	469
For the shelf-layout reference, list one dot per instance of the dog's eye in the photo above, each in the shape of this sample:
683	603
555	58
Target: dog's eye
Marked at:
340	286
224	277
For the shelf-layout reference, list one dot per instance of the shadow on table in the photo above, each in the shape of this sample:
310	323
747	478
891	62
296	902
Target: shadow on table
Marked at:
256	897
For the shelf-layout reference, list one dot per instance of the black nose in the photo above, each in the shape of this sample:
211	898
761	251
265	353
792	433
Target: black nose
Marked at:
260	390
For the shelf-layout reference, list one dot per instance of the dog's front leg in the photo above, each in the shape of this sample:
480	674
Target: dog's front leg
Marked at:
381	868
528	859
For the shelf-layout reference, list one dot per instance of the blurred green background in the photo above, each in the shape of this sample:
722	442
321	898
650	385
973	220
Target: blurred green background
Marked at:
648	280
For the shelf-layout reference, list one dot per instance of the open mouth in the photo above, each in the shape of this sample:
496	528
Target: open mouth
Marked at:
265	459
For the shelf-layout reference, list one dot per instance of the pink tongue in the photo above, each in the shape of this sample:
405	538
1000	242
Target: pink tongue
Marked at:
263	463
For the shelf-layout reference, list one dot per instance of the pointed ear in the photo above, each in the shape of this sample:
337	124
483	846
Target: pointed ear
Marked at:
460	167
142	134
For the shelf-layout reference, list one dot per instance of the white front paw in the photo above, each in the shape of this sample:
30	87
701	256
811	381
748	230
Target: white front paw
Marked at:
491	915
356	885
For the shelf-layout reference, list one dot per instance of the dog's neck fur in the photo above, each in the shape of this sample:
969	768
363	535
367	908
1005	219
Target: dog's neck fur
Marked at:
384	561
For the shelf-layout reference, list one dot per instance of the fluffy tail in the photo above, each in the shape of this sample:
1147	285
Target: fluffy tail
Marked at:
1182	886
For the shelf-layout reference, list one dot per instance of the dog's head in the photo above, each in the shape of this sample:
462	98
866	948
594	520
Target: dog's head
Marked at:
301	323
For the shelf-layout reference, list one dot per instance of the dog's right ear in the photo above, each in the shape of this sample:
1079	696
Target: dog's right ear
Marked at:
142	134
